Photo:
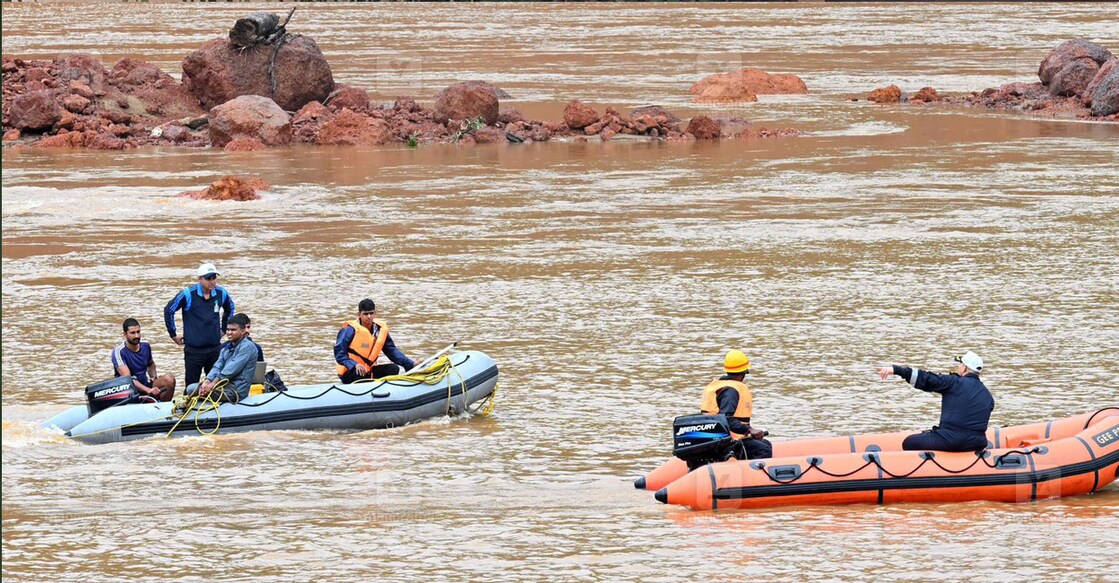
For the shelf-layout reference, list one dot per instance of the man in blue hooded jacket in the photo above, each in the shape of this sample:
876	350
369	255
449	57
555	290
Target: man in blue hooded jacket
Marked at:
203	326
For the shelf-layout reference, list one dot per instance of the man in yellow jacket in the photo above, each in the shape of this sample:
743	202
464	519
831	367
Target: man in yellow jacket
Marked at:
730	396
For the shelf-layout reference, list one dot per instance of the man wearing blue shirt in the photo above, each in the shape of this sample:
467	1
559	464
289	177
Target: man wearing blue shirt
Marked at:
203	326
360	342
133	358
236	364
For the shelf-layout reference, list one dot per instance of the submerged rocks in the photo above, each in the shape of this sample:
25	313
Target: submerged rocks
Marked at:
230	188
250	116
745	85
218	72
704	128
467	100
925	95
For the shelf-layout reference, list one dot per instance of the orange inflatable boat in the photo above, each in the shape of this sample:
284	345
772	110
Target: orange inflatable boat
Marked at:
998	437
1051	459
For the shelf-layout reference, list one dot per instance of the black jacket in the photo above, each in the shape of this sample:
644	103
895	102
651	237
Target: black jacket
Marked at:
965	402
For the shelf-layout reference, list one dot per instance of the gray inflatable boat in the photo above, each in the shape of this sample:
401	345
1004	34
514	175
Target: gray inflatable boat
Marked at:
470	378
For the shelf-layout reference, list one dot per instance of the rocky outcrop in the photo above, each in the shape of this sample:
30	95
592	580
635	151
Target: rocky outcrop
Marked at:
467	100
230	188
1105	70
925	95
219	72
34	111
887	94
346	97
1069	52
745	85
1073	78
578	115
250	116
348	128
1105	94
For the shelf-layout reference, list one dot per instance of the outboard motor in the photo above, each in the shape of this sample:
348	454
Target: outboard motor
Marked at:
702	439
105	394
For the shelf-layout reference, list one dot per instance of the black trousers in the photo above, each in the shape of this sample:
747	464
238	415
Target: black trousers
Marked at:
944	440
756	449
381	370
199	360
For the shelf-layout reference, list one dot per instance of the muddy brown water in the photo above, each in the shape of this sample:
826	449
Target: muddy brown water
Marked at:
606	279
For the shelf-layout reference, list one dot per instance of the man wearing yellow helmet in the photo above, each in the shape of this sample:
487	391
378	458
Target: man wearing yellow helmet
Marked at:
730	396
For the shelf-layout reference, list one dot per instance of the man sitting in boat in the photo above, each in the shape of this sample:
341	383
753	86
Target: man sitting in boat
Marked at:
965	405
359	344
133	358
730	396
235	365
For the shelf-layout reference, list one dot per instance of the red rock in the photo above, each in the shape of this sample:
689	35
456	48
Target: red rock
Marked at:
1020	88
346	97
129	71
578	115
1105	97
218	72
33	86
85	68
230	188
105	142
1067	52
704	128
62	140
350	128
498	92
655	111
887	94
11	135
250	116
607	134
1103	72
33	111
79	88
35	74
510	116
66	121
244	145
75	103
310	112
176	133
10	66
406	104
467	100
926	94
490	135
745	85
1073	78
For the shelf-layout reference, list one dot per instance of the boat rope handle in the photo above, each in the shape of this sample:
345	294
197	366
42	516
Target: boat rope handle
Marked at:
873	459
1093	417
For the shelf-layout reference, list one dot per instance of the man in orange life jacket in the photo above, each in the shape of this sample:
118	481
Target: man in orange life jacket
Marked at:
359	344
730	396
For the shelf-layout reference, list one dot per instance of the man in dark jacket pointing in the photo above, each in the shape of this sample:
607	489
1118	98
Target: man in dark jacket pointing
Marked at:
965	405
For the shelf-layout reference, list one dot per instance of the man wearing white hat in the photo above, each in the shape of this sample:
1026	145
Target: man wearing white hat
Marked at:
965	405
203	327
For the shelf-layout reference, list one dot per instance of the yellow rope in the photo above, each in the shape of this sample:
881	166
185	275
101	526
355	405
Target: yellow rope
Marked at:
200	405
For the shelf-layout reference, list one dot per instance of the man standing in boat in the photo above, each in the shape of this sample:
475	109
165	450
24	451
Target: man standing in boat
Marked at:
235	365
730	396
203	327
965	405
359	344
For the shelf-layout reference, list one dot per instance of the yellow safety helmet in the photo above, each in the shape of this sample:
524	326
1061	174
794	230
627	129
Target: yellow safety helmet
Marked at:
736	361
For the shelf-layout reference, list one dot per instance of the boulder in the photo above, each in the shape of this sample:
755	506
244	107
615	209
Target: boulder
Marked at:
467	100
79	88
75	103
578	115
490	135
497	91
925	94
245	145
218	72
350	128
34	111
1104	71
85	68
250	116
129	71
1067	52
887	94
230	188
346	97
1073	78
745	85
1105	97
704	128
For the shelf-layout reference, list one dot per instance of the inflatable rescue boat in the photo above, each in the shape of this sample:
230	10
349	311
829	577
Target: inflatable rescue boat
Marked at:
450	385
1051	459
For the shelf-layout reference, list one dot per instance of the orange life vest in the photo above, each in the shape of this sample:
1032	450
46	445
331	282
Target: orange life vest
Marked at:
709	403
365	348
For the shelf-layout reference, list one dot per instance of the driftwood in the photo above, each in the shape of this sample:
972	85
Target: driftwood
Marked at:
261	28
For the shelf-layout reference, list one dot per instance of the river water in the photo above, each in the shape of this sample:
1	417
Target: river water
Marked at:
606	279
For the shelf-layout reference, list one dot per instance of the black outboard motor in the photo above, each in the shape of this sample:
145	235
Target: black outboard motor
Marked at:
105	394
702	439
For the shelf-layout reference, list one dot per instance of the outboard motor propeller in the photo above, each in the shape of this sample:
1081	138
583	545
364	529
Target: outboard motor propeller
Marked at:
702	439
108	393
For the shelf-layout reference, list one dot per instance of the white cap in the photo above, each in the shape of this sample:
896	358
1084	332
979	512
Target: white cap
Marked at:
206	269
971	360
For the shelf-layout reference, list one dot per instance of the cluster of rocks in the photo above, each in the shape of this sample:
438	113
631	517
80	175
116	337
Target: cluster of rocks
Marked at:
229	188
745	85
1077	78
